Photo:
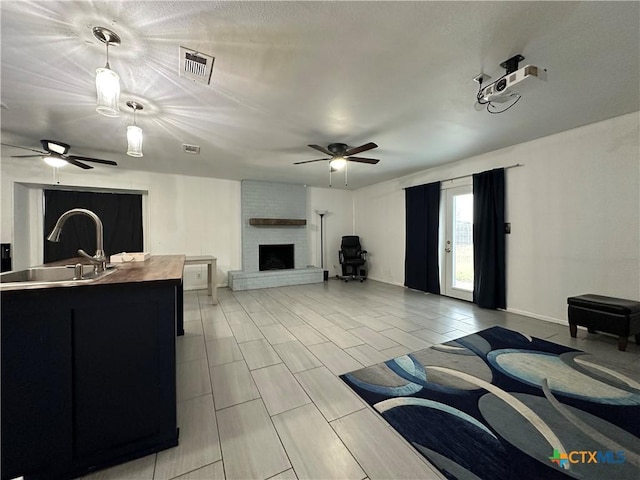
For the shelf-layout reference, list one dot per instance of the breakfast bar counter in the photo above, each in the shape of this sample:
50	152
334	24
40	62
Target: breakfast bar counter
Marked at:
159	268
89	370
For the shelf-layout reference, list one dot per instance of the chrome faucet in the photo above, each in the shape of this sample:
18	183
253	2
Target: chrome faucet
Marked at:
99	260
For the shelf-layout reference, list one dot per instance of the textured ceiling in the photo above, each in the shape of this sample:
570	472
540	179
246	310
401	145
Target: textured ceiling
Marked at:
288	74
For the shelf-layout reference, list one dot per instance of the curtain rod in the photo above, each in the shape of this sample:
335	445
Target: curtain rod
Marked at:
470	174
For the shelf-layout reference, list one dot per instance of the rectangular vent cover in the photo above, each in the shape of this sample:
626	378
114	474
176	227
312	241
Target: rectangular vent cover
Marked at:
193	149
196	66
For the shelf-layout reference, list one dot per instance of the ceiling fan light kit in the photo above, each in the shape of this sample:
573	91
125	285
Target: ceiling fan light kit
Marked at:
338	163
107	81
134	132
55	162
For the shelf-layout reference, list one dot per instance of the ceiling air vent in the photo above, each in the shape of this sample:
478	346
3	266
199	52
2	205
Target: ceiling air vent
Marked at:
196	66
192	149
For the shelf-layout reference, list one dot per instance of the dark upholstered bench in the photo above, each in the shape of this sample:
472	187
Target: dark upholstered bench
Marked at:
605	314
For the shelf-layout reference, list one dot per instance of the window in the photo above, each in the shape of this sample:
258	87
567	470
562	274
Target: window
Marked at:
121	215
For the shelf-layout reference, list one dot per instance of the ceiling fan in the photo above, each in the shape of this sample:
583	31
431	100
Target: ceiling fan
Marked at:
55	154
341	154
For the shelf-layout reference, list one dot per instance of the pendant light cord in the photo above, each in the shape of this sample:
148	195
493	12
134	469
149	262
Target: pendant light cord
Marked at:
107	66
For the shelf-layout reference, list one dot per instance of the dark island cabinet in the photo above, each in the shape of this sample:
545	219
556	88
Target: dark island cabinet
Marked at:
88	377
36	389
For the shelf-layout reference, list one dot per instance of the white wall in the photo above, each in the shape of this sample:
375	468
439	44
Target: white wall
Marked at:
337	222
184	215
574	212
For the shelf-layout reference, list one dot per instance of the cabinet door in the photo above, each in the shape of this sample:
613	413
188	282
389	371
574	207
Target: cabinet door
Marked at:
117	376
36	388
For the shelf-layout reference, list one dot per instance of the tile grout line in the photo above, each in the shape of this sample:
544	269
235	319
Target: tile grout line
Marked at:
213	400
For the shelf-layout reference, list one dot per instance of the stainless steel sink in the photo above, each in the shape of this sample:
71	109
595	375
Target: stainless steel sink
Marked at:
51	275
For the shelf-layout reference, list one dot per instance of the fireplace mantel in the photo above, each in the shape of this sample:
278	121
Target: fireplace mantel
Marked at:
270	222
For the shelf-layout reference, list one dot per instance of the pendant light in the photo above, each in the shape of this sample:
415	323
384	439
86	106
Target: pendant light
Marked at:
107	81
134	133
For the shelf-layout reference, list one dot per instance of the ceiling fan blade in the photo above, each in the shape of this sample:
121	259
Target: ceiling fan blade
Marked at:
30	156
309	161
77	163
371	161
322	149
89	159
26	148
361	148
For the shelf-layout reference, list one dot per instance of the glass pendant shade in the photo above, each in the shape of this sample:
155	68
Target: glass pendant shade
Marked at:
134	141
108	89
338	163
54	161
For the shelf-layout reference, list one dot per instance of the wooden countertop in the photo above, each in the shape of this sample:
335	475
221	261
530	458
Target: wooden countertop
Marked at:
159	268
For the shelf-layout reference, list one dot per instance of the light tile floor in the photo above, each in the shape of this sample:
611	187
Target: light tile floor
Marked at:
258	392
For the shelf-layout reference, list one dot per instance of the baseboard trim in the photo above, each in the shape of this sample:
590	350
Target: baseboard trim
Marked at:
375	279
537	316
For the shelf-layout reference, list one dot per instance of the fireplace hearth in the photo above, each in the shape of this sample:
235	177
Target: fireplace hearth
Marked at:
275	257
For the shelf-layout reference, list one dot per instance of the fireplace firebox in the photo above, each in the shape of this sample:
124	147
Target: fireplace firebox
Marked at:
275	257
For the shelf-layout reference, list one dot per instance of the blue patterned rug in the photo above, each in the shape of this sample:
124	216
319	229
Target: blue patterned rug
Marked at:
498	404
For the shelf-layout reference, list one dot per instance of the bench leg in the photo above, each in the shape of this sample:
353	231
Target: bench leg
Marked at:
622	343
573	330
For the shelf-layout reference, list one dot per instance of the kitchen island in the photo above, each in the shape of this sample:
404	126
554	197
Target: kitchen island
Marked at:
88	370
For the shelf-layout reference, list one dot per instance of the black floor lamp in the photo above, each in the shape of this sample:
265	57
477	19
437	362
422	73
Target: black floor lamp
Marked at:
322	213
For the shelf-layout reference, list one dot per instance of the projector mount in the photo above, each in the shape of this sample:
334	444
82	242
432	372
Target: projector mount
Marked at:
511	65
507	88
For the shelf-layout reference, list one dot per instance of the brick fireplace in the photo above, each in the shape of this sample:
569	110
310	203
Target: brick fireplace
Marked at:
273	215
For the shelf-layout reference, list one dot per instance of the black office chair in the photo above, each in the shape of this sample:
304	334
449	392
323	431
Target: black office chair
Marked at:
352	258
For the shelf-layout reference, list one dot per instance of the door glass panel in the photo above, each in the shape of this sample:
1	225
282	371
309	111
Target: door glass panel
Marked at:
457	242
462	248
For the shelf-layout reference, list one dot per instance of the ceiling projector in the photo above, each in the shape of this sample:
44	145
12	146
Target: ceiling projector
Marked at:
514	83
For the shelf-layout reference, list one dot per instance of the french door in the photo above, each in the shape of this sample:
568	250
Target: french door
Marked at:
457	244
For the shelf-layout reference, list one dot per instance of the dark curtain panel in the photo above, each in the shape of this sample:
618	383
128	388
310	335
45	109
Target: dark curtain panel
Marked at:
421	270
121	216
489	285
